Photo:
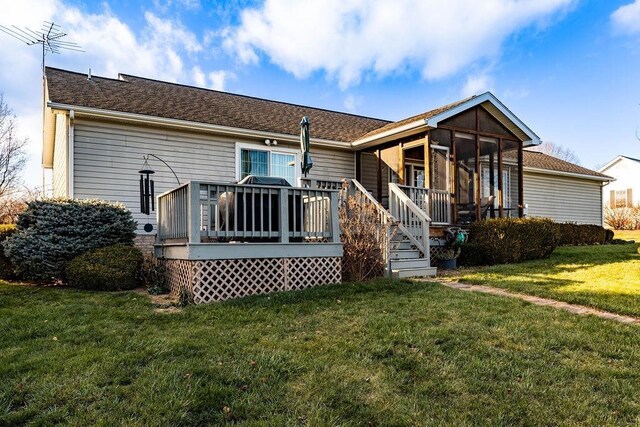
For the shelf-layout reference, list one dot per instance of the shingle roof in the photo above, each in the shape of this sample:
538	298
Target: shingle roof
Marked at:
533	159
138	95
422	116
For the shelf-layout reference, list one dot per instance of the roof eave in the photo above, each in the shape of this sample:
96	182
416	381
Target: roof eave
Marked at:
433	121
82	111
391	134
615	160
568	174
480	99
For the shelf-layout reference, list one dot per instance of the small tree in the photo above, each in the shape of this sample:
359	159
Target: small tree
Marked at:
555	150
362	237
50	233
13	155
13	203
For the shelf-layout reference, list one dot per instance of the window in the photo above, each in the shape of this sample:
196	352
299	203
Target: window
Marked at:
276	163
621	198
506	186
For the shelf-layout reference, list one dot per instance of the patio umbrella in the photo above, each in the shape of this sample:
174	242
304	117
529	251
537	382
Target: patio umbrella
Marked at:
307	163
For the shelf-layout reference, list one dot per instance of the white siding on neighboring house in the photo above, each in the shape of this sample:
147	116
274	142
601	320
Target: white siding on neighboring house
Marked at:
563	199
626	187
107	158
60	179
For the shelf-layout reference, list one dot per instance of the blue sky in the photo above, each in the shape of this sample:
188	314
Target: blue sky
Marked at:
567	68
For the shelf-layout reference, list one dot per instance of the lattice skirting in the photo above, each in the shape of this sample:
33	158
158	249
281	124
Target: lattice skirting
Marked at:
443	253
218	280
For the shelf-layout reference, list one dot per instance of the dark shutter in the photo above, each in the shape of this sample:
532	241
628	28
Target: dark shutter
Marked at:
612	199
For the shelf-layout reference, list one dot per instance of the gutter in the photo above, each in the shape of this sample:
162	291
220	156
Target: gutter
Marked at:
188	125
380	138
568	174
70	153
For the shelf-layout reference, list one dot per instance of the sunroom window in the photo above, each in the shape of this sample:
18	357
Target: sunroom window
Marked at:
268	163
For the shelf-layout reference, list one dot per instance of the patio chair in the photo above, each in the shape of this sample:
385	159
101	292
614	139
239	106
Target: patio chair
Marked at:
467	212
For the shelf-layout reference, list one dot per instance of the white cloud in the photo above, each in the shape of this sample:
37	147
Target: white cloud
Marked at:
350	39
351	103
626	19
219	78
477	84
199	77
159	50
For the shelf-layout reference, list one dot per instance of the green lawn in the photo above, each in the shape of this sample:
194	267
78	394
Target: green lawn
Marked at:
605	277
385	353
628	235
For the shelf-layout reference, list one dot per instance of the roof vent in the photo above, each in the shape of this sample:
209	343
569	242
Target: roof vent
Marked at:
89	75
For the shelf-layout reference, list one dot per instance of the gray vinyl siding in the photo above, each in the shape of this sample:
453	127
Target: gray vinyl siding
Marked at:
332	164
61	158
370	176
563	199
107	158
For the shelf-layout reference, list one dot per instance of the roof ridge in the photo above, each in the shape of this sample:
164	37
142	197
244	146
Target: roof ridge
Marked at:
93	76
253	97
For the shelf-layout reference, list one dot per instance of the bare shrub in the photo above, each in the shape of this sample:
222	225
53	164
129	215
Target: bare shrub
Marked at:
622	218
363	237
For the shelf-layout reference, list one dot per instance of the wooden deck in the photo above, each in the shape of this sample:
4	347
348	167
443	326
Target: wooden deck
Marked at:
219	241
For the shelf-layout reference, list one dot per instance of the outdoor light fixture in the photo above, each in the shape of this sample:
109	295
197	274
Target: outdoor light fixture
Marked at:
147	190
268	142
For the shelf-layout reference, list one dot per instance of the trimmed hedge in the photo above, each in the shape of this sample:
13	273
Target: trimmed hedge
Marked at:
582	234
509	240
53	232
6	267
113	268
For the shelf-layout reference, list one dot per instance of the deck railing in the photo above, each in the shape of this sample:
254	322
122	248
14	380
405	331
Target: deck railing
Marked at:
440	206
436	203
224	212
323	184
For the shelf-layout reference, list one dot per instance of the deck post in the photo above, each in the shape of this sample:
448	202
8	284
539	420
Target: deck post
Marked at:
284	215
335	223
520	181
427	157
193	212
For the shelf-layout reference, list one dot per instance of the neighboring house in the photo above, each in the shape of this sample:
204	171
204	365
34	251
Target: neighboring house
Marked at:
424	169
562	191
625	190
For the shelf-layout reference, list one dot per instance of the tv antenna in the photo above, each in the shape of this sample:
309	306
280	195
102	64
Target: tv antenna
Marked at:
49	37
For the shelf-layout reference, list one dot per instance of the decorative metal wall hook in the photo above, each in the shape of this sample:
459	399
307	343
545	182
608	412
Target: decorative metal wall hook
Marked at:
147	188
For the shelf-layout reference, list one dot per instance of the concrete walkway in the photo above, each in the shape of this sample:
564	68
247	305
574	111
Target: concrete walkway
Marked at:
572	308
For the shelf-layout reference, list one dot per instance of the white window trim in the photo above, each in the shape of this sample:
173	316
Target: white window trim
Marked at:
269	149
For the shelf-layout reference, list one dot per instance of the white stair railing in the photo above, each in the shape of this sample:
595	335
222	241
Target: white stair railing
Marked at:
411	218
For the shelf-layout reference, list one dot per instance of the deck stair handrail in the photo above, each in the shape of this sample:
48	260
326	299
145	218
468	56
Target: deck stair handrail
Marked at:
393	221
411	217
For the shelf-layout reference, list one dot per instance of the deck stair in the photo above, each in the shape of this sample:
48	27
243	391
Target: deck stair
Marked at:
406	248
405	260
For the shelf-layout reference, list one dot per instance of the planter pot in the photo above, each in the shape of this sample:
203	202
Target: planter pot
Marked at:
448	264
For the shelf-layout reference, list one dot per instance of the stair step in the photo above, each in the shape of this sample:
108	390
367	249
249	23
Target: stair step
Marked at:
405	244
404	254
413	272
401	264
